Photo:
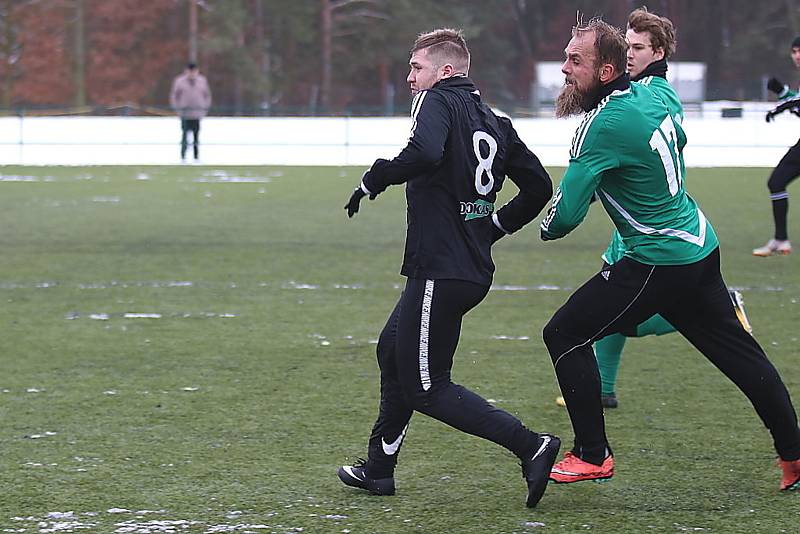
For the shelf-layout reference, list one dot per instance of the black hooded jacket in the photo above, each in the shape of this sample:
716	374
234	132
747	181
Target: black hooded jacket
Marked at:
458	155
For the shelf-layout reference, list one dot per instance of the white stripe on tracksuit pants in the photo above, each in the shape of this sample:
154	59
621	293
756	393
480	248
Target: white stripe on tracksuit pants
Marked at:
415	355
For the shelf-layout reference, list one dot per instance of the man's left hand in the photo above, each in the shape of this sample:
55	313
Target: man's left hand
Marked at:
354	202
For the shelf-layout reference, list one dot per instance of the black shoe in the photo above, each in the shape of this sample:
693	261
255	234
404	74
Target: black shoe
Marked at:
609	401
536	467
357	477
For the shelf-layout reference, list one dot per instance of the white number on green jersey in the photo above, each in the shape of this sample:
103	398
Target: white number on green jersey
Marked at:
665	141
484	163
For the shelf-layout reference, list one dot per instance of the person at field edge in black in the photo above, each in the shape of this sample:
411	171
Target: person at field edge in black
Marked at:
190	97
787	169
458	155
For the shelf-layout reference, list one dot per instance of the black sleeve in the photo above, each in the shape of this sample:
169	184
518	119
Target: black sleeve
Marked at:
425	148
775	85
791	103
535	185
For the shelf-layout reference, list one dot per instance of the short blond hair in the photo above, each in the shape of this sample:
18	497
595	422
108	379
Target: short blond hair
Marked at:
445	45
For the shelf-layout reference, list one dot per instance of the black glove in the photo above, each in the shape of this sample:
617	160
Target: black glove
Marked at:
355	200
775	85
770	115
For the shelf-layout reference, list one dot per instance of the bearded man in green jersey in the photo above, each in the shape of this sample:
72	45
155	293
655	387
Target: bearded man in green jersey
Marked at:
627	151
651	41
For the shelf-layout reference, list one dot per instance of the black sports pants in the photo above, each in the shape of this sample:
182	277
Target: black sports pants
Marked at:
784	173
415	356
695	300
190	125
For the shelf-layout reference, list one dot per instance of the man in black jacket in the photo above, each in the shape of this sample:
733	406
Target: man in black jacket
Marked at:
787	170
456	160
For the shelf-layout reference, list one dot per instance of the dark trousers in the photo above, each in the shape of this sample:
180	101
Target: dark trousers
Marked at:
695	300
190	125
782	175
415	356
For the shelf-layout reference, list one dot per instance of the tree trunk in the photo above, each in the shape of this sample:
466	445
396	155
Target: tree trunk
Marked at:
326	29
386	88
529	31
193	31
79	61
262	56
238	82
793	9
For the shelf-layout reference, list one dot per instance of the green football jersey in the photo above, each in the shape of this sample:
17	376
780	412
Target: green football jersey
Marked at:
661	87
663	90
628	152
786	94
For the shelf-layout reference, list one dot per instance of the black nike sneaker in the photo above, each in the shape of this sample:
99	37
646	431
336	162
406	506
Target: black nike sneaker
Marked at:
357	477
536	467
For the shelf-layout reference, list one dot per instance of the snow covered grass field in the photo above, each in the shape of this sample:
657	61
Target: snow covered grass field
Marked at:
191	349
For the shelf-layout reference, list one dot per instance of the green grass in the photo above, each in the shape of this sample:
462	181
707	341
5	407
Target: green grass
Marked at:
215	423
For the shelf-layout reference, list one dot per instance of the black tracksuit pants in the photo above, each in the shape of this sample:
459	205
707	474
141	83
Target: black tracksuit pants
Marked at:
782	175
695	300
193	126
415	356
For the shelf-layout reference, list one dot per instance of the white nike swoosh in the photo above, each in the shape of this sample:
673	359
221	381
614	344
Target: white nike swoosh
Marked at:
352	473
389	449
545	442
562	472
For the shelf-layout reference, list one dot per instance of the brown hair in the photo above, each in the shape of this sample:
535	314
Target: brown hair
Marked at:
446	45
609	43
662	32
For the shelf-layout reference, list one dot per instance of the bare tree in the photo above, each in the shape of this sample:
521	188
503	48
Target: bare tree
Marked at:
193	30
79	56
262	54
793	12
338	13
10	47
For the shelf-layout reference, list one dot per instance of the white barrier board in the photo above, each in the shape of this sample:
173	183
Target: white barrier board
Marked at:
713	142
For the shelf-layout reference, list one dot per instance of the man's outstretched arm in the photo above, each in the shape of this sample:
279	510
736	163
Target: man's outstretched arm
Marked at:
425	149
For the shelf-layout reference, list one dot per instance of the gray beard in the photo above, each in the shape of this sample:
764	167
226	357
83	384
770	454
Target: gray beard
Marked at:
570	102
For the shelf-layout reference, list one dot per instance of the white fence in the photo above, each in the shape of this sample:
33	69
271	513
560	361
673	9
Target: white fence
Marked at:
716	141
